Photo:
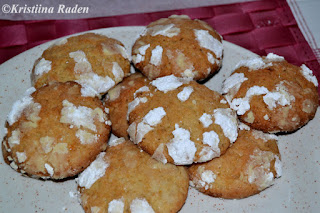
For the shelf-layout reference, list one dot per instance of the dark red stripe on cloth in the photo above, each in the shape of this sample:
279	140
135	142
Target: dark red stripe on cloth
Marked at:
260	26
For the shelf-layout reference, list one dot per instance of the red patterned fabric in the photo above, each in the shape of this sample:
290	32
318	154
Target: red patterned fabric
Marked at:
260	26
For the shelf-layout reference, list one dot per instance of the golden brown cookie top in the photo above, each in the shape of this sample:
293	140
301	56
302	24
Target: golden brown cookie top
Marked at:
126	179
95	61
180	46
54	132
249	166
272	95
119	98
181	121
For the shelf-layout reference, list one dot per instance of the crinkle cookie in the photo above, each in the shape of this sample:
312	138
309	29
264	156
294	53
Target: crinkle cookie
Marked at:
54	132
271	95
180	46
126	179
249	166
118	99
181	122
95	61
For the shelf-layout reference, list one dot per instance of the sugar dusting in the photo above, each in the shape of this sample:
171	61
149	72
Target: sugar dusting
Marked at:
181	148
207	41
167	83
156	56
228	122
185	93
20	105
43	66
95	171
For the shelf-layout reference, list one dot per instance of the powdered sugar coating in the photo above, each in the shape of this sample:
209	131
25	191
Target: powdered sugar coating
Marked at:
14	165
141	130
82	64
141	55
151	119
223	101
253	63
77	116
154	116
97	83
88	91
181	148
133	104
46	143
258	168
206	120
233	82
116	206
141	89
206	154
139	205
95	209
132	132
207	41
117	72
307	73
86	137
280	97
49	169
189	73
14	139
185	93
95	171
123	51
243	126
264	136
242	105
22	157
228	122
278	166
211	59
168	30
208	176
159	154
274	57
156	56
212	139
43	66
90	80
116	142
167	83
20	105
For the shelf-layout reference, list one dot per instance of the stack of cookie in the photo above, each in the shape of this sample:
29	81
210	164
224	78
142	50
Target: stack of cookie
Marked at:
171	128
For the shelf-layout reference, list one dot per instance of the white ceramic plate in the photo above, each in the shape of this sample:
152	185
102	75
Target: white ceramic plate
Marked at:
298	190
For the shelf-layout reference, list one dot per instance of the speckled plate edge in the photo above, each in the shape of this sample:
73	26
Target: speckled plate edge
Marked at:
298	190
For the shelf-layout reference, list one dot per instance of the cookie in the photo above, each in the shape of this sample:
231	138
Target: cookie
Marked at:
181	122
126	179
180	46
54	132
118	99
95	61
272	95
249	166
